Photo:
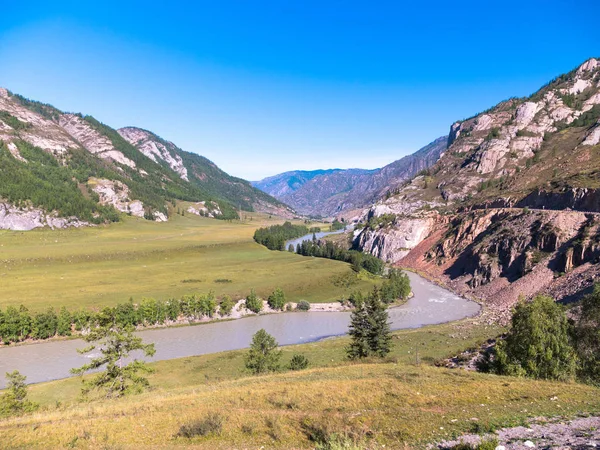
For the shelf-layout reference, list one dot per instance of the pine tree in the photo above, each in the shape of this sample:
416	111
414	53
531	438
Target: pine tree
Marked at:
115	343
263	356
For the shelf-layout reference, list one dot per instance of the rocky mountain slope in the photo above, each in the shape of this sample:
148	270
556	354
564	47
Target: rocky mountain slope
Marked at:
61	169
329	192
511	208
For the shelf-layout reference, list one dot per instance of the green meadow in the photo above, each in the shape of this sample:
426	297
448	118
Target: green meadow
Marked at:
105	265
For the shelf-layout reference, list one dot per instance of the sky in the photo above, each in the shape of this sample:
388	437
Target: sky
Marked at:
263	87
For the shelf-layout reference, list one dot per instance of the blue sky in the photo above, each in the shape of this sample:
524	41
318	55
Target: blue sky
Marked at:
261	87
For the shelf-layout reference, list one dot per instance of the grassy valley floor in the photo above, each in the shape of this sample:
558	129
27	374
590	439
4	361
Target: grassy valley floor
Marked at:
101	266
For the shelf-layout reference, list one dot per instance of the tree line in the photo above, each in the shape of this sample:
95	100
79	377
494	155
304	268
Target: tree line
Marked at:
330	250
275	236
18	324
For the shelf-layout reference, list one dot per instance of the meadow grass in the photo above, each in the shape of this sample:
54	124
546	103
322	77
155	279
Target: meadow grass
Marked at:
99	266
394	402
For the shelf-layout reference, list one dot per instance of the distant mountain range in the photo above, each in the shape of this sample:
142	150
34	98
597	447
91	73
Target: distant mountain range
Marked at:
329	192
62	169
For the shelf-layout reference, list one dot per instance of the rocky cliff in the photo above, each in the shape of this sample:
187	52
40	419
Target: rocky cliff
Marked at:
510	209
330	192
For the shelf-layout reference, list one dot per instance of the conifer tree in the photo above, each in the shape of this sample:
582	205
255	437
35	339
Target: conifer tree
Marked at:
263	355
369	329
118	378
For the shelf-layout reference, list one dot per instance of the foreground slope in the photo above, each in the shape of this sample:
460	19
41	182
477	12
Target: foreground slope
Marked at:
479	218
62	169
329	192
395	403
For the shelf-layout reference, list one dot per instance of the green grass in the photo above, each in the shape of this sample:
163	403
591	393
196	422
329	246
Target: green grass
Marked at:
105	265
395	403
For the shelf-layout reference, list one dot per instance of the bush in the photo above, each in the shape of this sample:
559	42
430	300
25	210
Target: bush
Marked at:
276	300
587	338
226	306
254	303
298	362
303	305
211	424
538	343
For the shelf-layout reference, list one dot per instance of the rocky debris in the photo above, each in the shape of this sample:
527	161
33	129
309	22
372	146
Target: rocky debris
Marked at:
116	194
207	209
92	140
28	218
155	149
543	433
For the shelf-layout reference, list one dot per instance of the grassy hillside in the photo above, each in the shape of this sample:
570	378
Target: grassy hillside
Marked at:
106	265
395	403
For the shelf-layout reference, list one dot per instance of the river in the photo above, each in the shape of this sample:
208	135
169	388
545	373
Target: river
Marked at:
52	360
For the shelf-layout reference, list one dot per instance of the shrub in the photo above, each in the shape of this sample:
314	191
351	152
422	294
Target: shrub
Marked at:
303	305
276	300
298	362
211	424
587	338
538	343
254	303
226	306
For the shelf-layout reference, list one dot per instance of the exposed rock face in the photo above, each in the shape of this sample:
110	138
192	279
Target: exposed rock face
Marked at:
41	132
394	243
330	192
580	199
25	219
116	194
14	150
154	149
593	137
93	141
207	209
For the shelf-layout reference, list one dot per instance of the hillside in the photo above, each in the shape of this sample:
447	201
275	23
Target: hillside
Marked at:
329	192
479	218
62	169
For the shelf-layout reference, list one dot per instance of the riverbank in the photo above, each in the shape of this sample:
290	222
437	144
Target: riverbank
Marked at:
429	305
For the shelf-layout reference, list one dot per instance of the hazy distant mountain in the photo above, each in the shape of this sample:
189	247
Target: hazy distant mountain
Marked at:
328	192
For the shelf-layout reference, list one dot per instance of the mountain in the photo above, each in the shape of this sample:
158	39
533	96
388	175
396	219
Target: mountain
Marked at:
63	169
512	206
329	192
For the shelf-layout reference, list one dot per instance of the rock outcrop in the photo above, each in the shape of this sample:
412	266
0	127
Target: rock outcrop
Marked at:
92	140
156	150
29	218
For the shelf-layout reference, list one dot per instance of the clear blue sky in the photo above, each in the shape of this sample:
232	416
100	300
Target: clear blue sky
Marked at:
263	87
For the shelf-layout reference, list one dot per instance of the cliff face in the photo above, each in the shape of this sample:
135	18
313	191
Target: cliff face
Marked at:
511	204
330	192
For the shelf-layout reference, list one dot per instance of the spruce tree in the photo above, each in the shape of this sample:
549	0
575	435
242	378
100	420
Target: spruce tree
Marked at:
379	336
369	329
359	333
